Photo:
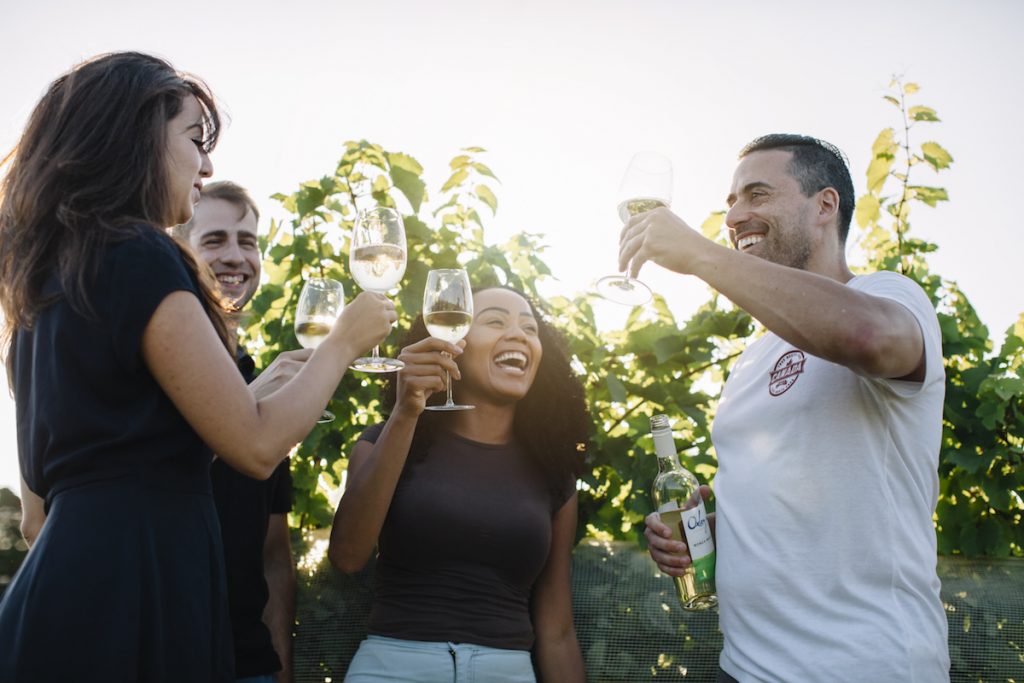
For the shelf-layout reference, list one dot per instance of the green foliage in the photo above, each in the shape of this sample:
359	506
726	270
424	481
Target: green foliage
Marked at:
660	365
980	506
315	242
654	368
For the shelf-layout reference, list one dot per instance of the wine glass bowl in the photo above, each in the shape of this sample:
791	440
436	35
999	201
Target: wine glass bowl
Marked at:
320	303
448	315
377	261
646	185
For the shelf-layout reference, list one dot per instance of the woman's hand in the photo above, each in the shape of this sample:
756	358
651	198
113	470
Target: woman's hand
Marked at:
423	374
366	320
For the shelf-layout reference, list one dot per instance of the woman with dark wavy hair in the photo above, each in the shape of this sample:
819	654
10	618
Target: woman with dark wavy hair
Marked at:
473	513
124	381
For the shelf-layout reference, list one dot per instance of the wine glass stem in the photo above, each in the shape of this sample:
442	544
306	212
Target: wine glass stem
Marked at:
375	355
448	387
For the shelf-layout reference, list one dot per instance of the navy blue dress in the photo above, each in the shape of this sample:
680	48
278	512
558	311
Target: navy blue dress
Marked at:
126	581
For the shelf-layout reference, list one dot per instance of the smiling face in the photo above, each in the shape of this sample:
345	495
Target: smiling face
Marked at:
225	238
769	216
187	160
503	350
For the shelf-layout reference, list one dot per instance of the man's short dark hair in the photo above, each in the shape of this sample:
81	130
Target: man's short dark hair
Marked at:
815	164
222	189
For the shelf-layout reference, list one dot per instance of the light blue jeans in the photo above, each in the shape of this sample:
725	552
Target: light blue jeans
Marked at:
389	660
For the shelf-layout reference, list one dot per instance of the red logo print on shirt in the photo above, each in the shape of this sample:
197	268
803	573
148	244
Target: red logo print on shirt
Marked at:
785	373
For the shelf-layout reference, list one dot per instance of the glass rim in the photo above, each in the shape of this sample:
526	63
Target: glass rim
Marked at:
379	209
323	282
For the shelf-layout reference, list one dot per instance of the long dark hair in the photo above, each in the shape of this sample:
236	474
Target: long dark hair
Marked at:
90	168
551	423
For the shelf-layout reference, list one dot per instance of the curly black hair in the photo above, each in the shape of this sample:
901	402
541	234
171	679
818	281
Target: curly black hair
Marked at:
551	423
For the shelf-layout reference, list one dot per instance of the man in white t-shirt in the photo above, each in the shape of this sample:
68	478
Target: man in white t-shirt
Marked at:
827	434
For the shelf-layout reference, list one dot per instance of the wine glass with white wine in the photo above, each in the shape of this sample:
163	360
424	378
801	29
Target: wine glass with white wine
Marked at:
646	185
377	259
320	303
448	315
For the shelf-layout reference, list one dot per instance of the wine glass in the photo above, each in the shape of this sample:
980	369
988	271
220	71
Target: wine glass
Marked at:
320	303
377	260
448	314
646	185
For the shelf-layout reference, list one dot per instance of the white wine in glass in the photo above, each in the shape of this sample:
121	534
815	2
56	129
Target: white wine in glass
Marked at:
448	325
377	259
320	303
311	332
448	315
646	185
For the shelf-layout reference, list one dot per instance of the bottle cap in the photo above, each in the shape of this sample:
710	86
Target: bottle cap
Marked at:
659	422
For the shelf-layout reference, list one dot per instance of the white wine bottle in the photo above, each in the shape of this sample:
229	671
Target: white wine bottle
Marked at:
676	492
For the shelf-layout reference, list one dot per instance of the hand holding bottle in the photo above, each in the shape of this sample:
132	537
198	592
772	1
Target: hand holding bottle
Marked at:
672	557
679	500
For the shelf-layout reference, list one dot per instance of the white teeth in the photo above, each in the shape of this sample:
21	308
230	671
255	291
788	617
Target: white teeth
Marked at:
230	279
749	241
516	359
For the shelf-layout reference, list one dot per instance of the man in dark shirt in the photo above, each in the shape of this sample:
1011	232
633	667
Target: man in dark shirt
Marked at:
253	513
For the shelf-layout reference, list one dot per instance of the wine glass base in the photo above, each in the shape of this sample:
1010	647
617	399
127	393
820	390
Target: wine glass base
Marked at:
449	407
325	417
369	364
623	290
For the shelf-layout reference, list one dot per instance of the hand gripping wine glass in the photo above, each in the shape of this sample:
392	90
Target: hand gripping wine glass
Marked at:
320	303
646	185
377	259
448	315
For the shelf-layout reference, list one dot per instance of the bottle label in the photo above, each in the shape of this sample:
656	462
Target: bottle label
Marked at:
692	527
695	526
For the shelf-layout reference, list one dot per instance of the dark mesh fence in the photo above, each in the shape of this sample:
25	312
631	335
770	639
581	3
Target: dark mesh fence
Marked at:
985	607
631	629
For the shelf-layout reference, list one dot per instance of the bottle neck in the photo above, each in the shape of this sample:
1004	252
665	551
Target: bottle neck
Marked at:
665	449
668	463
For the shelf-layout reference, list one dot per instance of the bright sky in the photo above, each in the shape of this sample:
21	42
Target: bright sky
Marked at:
562	92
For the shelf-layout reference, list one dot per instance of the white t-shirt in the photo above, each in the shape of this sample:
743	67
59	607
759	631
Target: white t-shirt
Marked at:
826	486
